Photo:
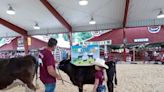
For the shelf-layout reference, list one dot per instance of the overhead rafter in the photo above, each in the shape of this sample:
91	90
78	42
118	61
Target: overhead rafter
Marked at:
13	27
126	13
57	15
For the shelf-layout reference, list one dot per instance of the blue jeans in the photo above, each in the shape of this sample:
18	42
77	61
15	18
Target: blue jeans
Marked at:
50	87
101	88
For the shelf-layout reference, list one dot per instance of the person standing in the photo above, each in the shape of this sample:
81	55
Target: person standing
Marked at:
100	76
48	74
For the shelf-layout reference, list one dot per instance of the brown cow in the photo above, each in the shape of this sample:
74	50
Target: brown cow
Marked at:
22	68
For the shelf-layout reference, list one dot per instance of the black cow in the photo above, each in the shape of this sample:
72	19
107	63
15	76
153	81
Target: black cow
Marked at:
80	75
22	68
80	57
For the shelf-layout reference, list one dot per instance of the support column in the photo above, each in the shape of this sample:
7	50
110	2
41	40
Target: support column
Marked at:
134	52
124	42
106	52
124	54
25	44
70	38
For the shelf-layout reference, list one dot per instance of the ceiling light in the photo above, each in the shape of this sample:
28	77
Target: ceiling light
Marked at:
10	10
92	21
36	26
83	2
161	14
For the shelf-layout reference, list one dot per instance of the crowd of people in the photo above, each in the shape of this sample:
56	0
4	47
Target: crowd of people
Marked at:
157	57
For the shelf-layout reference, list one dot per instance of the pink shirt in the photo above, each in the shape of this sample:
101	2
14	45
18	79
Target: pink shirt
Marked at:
100	76
48	60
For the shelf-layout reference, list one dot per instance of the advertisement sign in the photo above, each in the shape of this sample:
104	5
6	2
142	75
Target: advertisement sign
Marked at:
106	42
84	55
141	40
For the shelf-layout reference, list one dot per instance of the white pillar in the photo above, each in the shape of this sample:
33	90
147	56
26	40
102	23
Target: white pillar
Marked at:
105	51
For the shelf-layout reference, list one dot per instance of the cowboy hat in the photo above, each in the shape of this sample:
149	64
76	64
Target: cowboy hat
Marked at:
100	62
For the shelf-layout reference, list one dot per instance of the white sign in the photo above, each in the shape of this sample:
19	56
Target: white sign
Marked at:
106	42
141	40
20	48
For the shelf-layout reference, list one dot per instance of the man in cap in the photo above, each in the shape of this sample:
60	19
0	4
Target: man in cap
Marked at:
48	74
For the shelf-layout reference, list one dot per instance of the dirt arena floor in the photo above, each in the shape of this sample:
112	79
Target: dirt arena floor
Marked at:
131	78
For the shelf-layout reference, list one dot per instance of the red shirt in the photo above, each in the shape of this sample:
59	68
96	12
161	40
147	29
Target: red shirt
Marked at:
100	76
48	60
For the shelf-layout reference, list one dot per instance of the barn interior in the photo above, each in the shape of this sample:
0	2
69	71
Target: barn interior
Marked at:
127	31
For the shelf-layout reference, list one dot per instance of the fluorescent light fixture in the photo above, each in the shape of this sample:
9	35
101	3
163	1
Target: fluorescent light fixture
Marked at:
161	14
10	10
83	2
92	21
36	26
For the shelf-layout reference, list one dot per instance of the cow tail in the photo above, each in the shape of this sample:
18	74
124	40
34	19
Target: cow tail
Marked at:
115	79
35	60
36	74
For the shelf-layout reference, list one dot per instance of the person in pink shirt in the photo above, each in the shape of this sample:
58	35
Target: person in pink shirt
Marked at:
100	76
48	74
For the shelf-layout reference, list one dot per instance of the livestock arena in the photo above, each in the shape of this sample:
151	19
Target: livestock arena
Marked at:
81	45
131	78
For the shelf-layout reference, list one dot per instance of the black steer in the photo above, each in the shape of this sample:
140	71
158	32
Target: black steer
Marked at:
80	75
22	68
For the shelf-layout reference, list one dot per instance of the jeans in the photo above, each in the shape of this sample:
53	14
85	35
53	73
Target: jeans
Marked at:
50	87
101	88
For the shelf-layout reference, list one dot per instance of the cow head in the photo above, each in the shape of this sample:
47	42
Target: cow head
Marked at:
65	65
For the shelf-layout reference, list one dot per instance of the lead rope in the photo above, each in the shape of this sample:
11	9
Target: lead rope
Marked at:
61	76
68	81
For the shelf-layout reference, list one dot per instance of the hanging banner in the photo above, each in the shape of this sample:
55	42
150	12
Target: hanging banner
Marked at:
154	29
84	55
8	40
